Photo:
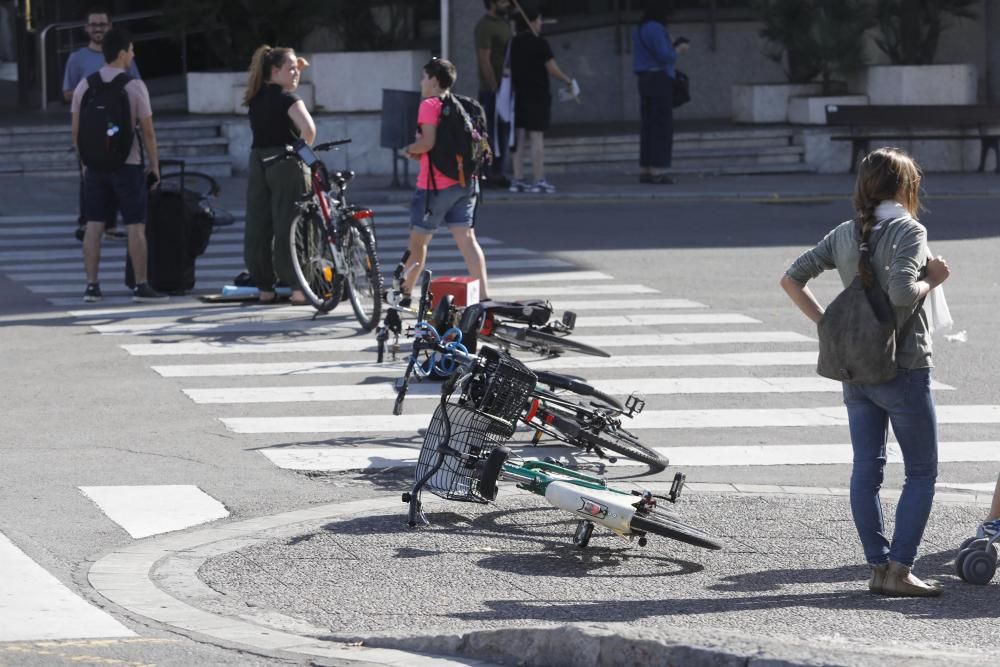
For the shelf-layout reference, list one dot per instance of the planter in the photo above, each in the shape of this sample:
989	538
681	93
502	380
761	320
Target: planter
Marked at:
812	110
921	84
353	81
767	102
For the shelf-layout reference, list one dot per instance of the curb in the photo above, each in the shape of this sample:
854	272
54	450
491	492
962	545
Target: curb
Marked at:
156	579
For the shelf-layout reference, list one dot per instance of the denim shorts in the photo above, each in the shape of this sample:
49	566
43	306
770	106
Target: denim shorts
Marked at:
454	206
122	189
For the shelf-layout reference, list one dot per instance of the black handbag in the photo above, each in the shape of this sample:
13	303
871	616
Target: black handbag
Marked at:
681	88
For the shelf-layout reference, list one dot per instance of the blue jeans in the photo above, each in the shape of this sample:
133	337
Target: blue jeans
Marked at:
906	402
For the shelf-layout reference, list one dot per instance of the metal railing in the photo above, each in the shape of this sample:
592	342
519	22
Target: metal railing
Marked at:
71	25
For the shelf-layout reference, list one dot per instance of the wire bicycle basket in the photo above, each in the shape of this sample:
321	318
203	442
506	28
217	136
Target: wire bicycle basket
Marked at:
455	447
500	387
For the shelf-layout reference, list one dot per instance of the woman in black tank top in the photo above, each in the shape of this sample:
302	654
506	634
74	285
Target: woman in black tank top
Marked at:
278	117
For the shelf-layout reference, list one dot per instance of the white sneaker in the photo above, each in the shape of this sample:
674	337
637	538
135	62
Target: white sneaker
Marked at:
519	186
543	186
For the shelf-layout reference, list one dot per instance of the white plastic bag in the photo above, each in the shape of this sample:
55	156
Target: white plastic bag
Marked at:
936	307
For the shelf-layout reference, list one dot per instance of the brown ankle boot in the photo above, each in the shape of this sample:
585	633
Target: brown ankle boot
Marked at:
877	582
900	582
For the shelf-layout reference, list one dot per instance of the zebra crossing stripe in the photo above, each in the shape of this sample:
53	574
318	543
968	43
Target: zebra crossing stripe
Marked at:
150	510
755	359
628	304
356	344
616	387
35	606
218	246
648	420
254	324
338	458
234	253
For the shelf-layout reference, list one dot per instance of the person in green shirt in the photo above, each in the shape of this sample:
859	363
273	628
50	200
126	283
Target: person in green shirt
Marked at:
492	35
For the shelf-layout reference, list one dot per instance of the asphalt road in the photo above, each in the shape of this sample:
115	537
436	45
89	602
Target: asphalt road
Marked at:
82	413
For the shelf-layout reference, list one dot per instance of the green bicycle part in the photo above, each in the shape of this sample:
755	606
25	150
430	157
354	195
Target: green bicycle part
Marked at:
540	476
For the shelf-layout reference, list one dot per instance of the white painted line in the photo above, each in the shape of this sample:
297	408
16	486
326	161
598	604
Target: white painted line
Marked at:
726	385
220	245
561	363
150	510
694	338
248	326
554	276
339	458
348	424
566	290
653	319
616	387
773	455
648	420
35	606
368	343
439	267
254	323
341	393
627	304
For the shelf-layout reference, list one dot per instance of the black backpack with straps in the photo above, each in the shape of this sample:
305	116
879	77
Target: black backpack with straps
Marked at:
106	129
461	144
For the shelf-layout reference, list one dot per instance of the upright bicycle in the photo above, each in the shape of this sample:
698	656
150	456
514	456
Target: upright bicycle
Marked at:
333	242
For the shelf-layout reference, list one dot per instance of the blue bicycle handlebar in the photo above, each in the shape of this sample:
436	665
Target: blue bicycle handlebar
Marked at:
445	356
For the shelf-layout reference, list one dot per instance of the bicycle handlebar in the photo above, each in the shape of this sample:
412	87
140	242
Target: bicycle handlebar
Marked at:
330	145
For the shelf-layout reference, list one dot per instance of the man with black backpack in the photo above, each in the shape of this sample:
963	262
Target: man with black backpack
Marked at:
452	146
108	108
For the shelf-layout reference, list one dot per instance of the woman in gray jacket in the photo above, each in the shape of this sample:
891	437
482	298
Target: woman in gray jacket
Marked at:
886	193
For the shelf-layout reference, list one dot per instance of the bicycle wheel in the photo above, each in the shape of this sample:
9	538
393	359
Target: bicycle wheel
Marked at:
625	444
662	523
618	441
560	381
541	342
364	277
312	259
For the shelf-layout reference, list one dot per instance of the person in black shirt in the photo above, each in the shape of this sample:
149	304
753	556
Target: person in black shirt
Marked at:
277	118
531	65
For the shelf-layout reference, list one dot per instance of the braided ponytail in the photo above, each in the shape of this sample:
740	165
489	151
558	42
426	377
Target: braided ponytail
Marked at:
885	174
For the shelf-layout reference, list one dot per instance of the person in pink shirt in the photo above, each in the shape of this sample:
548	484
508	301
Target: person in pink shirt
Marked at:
438	198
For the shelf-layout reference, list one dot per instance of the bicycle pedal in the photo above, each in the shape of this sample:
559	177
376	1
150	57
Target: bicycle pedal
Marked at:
634	405
569	319
676	487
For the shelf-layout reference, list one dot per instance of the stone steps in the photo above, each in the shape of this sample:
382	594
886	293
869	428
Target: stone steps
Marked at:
728	151
46	148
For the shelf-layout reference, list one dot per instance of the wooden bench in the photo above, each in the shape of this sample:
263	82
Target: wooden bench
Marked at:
867	123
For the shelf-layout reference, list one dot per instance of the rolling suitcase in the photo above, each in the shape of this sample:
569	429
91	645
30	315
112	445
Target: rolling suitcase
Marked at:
179	227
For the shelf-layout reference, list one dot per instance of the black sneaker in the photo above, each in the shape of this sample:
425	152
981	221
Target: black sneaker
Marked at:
144	293
93	293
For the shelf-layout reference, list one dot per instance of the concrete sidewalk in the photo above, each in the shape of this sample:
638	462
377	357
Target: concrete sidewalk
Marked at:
27	195
504	583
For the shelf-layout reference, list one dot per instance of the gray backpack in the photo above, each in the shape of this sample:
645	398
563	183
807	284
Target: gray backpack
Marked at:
857	333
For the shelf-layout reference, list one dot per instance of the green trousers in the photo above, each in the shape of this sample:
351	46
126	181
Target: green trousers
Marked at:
272	195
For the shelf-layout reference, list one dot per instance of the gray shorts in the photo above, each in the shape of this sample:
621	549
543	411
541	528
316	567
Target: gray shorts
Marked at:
454	206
